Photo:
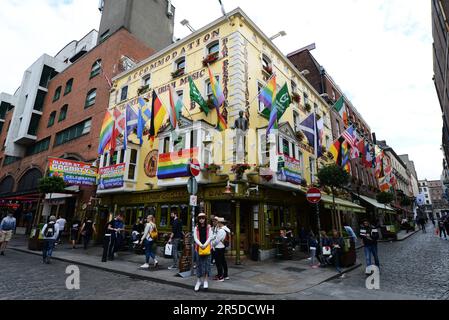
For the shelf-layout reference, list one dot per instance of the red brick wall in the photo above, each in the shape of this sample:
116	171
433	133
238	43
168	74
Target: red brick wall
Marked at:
122	43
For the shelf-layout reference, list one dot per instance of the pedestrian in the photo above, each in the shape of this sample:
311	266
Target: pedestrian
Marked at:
61	223
149	235
138	230
215	229
75	231
87	231
113	228
337	245
446	225
28	218
218	243
370	235
202	236
324	249
313	245
421	217
50	232
175	237
442	228
7	227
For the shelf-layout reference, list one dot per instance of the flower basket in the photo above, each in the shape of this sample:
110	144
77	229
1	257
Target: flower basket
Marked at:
177	73
143	89
296	98
268	69
211	58
212	168
239	170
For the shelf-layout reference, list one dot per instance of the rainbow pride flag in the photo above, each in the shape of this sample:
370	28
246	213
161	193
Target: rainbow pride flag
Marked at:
218	96
222	125
106	132
268	94
175	164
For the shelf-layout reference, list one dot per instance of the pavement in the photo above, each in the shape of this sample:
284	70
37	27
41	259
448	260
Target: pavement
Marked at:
271	277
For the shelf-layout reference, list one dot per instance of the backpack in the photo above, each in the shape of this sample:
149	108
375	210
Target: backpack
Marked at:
227	240
50	230
154	233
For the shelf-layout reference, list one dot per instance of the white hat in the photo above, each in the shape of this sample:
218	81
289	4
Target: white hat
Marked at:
202	214
222	220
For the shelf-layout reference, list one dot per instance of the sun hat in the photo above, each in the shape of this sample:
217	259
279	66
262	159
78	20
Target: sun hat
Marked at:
222	220
202	214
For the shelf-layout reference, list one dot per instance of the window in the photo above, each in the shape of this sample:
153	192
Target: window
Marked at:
90	98
51	120
9	160
104	36
124	93
132	165
146	81
63	113
57	94
96	69
68	86
181	64
214	48
306	98
38	147
265	149
266	62
73	132
294	86
285	147
164	215
193	139
166	145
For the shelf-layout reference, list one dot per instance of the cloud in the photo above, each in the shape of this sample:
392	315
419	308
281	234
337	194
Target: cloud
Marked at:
379	52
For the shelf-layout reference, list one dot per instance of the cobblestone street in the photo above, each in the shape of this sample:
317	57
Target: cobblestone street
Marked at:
415	268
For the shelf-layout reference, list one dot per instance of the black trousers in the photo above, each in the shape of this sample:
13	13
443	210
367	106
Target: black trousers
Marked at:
220	261
108	248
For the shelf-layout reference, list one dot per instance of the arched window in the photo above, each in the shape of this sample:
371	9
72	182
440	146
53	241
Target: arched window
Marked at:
266	64
29	181
51	120
180	67
90	98
7	185
63	113
57	94
96	69
68	86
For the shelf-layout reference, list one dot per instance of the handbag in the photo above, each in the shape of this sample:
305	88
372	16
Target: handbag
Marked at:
327	251
205	251
168	250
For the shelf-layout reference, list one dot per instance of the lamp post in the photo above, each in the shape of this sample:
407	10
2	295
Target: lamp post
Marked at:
279	34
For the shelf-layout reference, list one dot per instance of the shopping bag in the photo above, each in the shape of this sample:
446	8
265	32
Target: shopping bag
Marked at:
326	251
168	250
437	231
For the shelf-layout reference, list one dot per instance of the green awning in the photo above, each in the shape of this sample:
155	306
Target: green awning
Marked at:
377	205
342	204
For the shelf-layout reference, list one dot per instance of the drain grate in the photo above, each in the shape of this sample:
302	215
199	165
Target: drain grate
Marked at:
293	269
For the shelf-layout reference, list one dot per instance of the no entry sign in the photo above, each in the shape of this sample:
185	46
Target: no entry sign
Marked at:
195	167
313	195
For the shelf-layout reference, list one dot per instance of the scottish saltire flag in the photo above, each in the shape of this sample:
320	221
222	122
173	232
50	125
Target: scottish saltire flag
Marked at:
268	94
132	119
308	127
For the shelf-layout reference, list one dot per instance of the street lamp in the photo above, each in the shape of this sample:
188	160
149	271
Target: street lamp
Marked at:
305	72
186	23
279	34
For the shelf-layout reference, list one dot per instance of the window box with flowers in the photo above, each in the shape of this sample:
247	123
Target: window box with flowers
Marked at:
296	98
143	89
212	168
178	73
211	58
239	170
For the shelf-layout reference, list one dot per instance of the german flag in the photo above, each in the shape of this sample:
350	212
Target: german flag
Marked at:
158	114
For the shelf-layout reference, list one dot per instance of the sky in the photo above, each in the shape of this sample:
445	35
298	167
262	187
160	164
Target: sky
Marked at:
378	51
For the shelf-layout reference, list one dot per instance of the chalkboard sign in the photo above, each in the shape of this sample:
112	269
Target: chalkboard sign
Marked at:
185	263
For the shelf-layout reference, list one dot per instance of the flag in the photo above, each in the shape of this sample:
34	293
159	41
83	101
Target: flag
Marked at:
175	108
132	118
350	137
218	99
196	96
320	135
345	164
282	102
120	121
140	126
367	157
106	132
146	110
379	172
335	149
340	107
268	94
273	122
308	127
158	114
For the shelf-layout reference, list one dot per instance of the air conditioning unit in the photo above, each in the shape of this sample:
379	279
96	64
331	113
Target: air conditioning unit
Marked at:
170	12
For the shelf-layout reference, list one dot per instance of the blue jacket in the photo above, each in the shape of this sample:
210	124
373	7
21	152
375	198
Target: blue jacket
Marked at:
8	223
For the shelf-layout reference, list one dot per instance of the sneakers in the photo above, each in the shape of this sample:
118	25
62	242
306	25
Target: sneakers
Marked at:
145	266
156	263
197	286
206	285
227	278
172	267
221	279
315	266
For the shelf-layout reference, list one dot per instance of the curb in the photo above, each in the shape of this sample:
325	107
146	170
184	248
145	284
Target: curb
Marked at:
352	268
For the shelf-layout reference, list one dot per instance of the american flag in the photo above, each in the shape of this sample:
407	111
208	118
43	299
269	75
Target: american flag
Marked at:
351	137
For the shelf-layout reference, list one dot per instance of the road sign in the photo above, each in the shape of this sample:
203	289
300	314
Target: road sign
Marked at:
193	201
313	195
192	186
195	167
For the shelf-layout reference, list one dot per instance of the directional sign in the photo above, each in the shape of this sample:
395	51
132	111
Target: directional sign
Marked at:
195	167
192	186
313	195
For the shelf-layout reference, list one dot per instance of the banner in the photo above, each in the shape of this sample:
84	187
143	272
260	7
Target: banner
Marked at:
74	173
112	177
175	164
290	170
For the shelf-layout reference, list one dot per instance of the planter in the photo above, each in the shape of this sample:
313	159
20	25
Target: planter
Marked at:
177	73
213	57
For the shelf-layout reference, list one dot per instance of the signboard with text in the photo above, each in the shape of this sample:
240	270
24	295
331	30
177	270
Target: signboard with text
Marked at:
112	177
290	170
73	172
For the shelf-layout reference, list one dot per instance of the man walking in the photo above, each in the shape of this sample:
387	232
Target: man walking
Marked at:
61	223
7	227
50	232
113	228
175	237
369	236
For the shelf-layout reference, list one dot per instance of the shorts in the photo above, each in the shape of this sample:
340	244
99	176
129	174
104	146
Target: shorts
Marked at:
5	236
203	266
74	235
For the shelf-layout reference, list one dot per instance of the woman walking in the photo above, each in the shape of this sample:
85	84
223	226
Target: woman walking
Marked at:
202	236
219	247
87	230
149	236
